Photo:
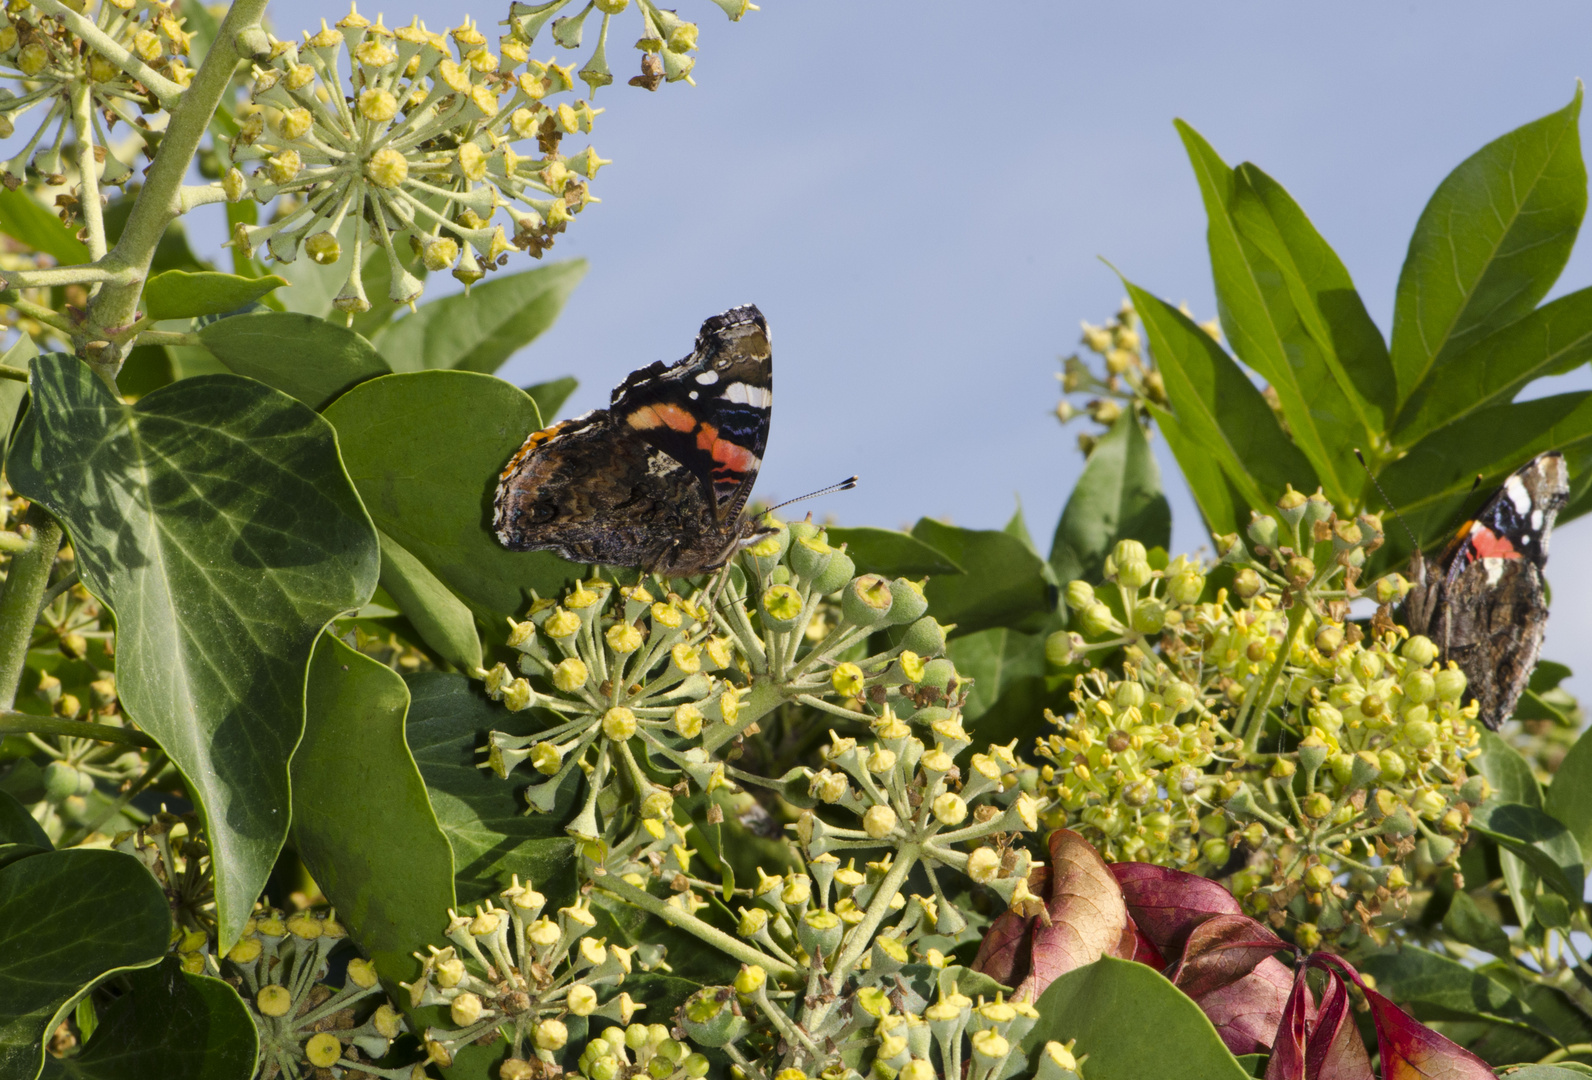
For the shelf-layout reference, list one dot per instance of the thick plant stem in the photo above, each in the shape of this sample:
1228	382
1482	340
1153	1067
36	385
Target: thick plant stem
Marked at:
19	603
732	946
89	194
17	723
116	306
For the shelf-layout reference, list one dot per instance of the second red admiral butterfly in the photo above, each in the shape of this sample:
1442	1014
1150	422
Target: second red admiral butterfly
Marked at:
660	478
1482	602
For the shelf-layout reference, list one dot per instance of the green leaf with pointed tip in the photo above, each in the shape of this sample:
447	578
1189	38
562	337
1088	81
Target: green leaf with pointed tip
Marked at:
890	553
31	224
1466	922
425	450
1569	797
1261	317
67	920
478	330
1489	244
1214	494
1091	1004
1435	986
314	360
17	825
1541	842
1219	410
12	391
1551	340
1512	781
485	818
1118	497
214	518
441	619
179	294
362	821
550	396
170	1026
1003	582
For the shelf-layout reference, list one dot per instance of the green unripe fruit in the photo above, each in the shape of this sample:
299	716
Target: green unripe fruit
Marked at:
1059	648
1080	595
1440	848
1318	877
1364	769
1128	695
867	601
710	1019
938	673
1149	616
1128	551
907	602
1179	696
1390	589
1299	571
1419	733
1450	684
1216	851
1246	583
1419	650
926	638
1341	766
1230	549
839	571
1317	805
60	781
1262	529
1134	575
810	556
1317	508
1475	790
1392	765
1292	506
1419	686
1097	621
1329	639
1398	824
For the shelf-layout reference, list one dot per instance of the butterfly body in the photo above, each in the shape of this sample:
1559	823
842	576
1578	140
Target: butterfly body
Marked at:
660	478
1482	600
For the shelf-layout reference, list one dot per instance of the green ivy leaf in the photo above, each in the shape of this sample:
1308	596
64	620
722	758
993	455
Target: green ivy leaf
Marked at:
1512	781
1541	842
1010	686
1003	582
478	330
1090	1003
1261	316
550	396
425	450
29	223
67	920
179	294
441	619
1569	797
214	518
1467	923
1220	412
889	553
170	1026
484	818
314	360
1436	987
362	821
1219	501
17	826
1118	497
19	355
1489	244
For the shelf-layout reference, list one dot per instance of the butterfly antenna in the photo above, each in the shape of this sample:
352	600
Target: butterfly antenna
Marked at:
845	485
1416	544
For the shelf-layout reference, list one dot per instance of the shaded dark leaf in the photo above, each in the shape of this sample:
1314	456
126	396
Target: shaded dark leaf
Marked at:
1118	497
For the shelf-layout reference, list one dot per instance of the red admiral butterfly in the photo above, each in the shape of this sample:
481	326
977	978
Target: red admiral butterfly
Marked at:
1484	605
660	477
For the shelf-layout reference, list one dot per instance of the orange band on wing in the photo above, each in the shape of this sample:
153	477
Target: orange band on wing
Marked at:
735	459
655	416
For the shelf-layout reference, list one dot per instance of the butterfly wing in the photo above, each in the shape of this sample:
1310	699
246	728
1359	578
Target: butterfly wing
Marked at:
710	412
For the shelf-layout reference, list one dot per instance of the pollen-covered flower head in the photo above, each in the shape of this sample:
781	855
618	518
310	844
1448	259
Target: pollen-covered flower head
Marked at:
415	141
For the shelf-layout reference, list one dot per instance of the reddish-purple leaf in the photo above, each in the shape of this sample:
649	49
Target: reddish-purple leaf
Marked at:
1246	1013
1288	1048
1167	904
1136	947
1222	950
1410	1049
1335	1050
1087	916
1003	954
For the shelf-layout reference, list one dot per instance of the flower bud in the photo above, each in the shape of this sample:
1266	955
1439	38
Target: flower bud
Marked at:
1262	529
1060	648
809	555
1129	551
867	601
1246	583
1098	621
1419	650
1299	571
1390	589
1080	595
782	606
950	809
925	637
751	979
1135	574
1185	587
1317	508
1292	506
1149	616
1450	683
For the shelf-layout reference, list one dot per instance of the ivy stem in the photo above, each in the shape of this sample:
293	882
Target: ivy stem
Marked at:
87	177
732	946
19	604
20	723
168	93
1251	725
160	201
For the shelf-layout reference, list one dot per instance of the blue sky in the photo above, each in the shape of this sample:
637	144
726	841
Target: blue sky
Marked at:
918	196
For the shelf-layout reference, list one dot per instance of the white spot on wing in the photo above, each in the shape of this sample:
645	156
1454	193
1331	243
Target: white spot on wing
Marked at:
1494	568
694	395
758	397
708	378
1516	490
1536	519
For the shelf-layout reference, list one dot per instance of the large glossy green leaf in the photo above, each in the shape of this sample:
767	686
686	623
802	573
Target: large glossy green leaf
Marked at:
1489	244
1551	340
314	360
181	294
442	620
1569	797
17	825
891	553
1219	410
214	518
484	818
1261	317
1435	987
478	330
1512	781
1543	843
1118	497
1322	293
425	450
362	821
1166	1034
31	224
1219	502
1003	582
12	391
170	1026
67	920
1010	685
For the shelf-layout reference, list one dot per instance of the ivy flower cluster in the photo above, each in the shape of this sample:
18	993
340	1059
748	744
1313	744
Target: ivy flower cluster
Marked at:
666	41
537	980
307	1028
173	850
415	150
1253	730
83	69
